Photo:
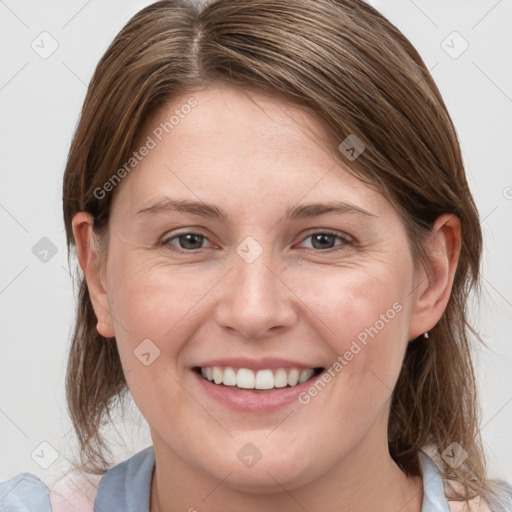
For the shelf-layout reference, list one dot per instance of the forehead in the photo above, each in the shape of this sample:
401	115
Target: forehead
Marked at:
228	116
238	144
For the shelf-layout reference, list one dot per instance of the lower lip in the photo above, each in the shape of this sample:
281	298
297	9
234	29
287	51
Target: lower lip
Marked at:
247	400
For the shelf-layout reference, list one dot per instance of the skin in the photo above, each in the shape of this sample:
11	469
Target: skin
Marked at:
250	155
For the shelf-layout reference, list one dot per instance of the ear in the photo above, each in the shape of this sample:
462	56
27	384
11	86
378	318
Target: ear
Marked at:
434	281
89	259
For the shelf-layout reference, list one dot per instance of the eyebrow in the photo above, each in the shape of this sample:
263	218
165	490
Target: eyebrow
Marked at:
203	209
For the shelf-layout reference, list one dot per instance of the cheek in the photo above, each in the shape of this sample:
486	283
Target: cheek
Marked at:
358	304
149	299
146	309
363	315
157	309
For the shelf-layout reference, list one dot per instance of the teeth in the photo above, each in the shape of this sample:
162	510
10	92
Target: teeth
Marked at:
218	375
306	375
262	379
280	379
293	377
245	378
229	378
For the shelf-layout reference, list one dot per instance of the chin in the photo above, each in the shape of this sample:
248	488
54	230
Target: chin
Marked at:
267	478
266	470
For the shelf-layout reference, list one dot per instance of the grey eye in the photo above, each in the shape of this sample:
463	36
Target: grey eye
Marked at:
327	240
186	241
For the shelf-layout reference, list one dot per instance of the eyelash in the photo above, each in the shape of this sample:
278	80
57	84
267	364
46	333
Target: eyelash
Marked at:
346	241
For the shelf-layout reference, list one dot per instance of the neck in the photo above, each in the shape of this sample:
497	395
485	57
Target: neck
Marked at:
366	479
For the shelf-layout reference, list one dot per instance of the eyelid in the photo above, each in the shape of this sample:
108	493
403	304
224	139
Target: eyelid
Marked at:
327	231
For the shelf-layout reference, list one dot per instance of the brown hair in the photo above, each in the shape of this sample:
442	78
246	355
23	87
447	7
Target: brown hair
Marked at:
348	65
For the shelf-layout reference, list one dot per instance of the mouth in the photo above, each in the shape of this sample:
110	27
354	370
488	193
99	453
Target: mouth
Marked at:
263	380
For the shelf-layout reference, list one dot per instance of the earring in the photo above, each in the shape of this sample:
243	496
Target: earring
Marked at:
425	335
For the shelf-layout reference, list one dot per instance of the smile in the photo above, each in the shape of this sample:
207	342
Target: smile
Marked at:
265	379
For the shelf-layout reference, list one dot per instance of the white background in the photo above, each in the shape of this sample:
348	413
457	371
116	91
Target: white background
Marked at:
40	100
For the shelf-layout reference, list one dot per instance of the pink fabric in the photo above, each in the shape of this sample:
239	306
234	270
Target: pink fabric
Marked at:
477	504
74	492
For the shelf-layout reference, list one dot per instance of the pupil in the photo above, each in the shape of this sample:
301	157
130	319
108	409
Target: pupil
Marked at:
322	237
188	239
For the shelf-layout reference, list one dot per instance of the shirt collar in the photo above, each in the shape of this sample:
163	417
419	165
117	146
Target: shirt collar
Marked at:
127	486
434	499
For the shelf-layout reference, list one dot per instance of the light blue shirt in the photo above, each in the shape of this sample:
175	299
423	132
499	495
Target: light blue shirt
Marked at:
126	488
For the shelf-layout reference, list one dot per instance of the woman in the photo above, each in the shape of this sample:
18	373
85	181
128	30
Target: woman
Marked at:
276	371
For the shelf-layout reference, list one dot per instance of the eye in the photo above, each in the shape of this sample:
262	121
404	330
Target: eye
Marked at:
321	240
186	241
325	240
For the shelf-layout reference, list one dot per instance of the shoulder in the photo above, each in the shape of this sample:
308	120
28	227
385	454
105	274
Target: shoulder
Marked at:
24	492
476	504
125	486
72	492
497	498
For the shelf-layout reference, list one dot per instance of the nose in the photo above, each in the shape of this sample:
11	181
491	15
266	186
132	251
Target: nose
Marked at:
256	299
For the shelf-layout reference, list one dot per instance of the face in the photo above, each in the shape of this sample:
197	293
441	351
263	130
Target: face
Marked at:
252	276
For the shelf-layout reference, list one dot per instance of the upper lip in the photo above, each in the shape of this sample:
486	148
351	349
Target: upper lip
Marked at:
256	364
